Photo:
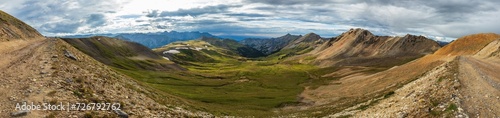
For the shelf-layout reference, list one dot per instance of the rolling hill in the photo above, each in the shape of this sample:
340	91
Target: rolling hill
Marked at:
122	54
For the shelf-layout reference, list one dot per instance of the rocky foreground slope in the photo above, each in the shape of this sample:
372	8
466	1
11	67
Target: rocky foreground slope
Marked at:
48	70
466	85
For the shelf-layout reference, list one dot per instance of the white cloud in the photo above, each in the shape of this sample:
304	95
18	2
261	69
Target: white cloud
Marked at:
448	18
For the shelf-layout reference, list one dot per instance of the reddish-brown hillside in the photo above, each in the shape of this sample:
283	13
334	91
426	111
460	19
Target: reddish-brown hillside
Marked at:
12	28
468	45
358	46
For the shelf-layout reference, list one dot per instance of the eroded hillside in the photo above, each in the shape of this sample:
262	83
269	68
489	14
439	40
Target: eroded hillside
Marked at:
12	28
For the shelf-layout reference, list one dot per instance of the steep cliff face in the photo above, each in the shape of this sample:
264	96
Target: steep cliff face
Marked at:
12	28
356	45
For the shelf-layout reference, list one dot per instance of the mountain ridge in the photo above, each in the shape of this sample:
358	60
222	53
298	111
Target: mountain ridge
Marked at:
358	44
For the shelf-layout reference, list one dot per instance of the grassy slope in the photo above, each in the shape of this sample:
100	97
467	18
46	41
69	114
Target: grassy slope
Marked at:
122	54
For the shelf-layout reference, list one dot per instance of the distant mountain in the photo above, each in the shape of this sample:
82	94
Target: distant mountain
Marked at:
233	45
271	45
299	46
12	28
442	43
155	40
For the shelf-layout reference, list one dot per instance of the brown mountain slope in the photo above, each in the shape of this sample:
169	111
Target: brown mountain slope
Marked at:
360	47
468	45
12	28
307	40
492	50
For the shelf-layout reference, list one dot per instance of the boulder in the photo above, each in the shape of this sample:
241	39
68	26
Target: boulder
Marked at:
70	55
121	114
20	113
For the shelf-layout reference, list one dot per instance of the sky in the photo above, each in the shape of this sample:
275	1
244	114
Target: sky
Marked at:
441	20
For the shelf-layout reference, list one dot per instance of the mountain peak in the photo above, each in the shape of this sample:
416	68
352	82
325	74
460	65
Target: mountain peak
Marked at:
359	31
13	28
310	37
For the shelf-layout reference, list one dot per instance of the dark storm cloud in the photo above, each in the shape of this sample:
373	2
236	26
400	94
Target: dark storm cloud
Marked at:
291	2
64	16
443	18
405	16
95	20
153	13
199	11
247	15
65	27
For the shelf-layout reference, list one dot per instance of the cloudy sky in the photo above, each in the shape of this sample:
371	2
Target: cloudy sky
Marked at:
268	18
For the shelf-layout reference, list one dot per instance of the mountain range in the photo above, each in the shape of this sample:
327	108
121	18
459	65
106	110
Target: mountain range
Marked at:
152	39
356	74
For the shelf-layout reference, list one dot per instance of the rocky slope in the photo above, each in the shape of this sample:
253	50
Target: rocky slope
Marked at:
12	28
357	46
269	46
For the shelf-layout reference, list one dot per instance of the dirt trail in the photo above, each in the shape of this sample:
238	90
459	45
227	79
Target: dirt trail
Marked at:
468	86
481	88
21	66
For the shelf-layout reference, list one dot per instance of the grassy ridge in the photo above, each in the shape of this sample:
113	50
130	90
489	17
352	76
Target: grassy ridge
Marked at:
122	54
